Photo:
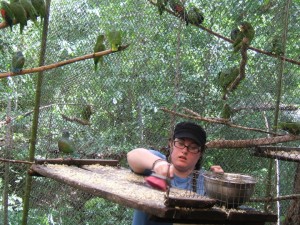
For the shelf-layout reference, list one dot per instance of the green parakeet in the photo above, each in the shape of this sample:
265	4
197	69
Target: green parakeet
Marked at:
115	39
226	112
7	13
19	13
99	46
65	145
30	10
195	16
276	45
226	77
244	36
291	127
161	5
40	8
87	112
17	63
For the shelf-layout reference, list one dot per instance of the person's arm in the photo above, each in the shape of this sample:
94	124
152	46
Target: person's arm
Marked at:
141	159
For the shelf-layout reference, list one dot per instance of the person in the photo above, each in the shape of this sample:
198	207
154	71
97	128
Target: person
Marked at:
186	149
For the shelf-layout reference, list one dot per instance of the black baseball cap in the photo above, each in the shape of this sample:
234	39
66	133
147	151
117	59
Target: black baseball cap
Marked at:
190	130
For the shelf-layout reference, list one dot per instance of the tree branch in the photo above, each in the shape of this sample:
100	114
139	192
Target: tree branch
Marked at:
62	63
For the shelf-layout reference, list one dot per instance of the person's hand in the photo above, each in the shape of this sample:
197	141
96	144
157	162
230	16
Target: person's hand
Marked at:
216	169
164	168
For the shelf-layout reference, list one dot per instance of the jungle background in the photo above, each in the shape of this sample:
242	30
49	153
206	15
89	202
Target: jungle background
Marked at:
168	71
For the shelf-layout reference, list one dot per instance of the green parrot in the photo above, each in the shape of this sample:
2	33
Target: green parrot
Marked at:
115	38
195	16
234	34
276	45
65	145
99	47
226	77
19	13
291	127
40	8
17	63
7	13
87	112
226	112
179	9
244	36
161	5
30	10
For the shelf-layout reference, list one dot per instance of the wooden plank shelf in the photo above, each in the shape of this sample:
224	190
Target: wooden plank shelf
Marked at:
121	186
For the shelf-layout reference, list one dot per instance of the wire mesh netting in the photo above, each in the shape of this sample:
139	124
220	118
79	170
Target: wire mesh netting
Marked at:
170	72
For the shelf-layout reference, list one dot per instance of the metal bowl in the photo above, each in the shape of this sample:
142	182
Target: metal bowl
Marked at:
229	189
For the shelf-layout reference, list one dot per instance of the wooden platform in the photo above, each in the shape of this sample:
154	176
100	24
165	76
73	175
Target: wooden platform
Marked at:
122	186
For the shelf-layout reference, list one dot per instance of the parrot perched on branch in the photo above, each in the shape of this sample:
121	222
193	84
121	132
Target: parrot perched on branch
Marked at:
226	112
161	5
40	8
99	47
291	127
195	16
7	13
179	9
87	112
276	45
30	10
17	63
242	37
65	145
19	13
115	39
226	77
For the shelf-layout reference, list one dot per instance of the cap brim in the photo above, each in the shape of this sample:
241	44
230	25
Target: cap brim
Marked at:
188	135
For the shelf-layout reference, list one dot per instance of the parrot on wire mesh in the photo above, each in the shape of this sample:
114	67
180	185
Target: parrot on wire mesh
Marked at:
291	127
161	5
195	16
114	38
7	13
40	8
179	9
19	13
17	63
99	47
276	45
244	36
30	10
226	77
226	112
87	112
65	145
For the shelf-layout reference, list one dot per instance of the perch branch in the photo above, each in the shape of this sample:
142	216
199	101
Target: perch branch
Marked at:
75	119
196	116
248	143
15	161
62	63
229	40
69	161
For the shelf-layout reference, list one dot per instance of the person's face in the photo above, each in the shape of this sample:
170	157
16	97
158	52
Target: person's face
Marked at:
184	154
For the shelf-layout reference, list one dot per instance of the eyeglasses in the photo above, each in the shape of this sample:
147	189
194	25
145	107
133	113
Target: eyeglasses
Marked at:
191	148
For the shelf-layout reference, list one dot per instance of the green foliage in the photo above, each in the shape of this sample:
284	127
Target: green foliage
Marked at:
104	212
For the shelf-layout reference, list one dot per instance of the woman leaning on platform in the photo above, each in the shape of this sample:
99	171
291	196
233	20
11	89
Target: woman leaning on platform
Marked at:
186	149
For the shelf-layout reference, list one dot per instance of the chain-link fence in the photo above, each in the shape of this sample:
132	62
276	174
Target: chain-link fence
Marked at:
170	72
